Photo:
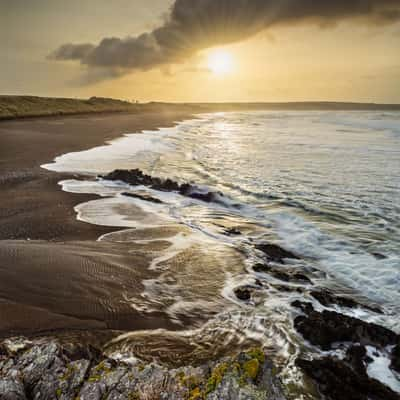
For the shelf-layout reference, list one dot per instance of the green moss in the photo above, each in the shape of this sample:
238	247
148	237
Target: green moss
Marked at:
258	354
196	394
58	393
68	373
102	368
251	368
216	377
94	378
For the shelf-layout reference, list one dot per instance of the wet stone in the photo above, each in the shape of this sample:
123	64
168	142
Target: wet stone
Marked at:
324	329
136	177
243	293
395	357
327	299
282	275
275	253
337	380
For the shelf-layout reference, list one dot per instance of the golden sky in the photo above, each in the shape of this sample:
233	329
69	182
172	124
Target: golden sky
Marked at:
341	60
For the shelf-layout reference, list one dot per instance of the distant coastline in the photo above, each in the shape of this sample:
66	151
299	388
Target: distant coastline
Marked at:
15	107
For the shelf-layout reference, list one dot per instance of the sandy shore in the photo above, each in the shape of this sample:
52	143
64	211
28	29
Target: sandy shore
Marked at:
53	274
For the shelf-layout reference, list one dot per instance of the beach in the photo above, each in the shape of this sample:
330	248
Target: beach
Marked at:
39	232
163	240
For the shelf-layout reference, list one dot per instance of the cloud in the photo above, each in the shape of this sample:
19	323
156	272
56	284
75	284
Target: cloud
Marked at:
193	25
72	52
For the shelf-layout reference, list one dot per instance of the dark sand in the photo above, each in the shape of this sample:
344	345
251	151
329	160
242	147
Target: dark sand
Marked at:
54	276
32	206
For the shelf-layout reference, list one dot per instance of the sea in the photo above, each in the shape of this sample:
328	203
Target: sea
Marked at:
324	185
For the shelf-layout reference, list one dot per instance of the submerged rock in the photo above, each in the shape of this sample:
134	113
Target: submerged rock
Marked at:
285	275
327	299
49	370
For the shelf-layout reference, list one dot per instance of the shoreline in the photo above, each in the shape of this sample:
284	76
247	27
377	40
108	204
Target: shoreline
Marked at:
33	205
80	294
38	223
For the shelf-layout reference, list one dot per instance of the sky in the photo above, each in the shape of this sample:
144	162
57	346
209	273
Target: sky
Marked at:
202	50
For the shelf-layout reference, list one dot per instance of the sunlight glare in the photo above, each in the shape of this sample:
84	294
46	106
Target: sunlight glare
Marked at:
220	62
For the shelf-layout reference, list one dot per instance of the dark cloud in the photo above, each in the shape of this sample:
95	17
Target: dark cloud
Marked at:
72	52
193	25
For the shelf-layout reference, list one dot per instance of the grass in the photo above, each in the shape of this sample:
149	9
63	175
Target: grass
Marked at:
12	107
29	106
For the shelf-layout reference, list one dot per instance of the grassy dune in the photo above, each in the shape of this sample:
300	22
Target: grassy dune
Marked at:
12	107
30	106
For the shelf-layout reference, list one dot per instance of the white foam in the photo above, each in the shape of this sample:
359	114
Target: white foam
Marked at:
119	153
117	212
379	369
375	279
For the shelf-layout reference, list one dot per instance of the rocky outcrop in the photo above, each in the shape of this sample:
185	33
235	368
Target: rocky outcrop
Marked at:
339	380
328	327
48	370
275	253
395	356
136	177
285	275
345	378
327	299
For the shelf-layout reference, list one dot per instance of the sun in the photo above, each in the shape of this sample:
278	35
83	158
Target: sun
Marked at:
220	62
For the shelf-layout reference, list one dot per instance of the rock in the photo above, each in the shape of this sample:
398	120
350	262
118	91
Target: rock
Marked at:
12	389
136	177
357	357
275	253
324	329
283	275
327	299
232	232
144	197
286	288
339	381
304	306
379	256
243	293
395	356
47	370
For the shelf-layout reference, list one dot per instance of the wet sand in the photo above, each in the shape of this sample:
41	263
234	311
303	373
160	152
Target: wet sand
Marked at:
53	274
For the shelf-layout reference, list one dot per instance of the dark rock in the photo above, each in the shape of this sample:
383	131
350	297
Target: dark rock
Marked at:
286	288
395	356
356	356
338	381
275	252
304	306
282	275
243	293
327	299
3	351
328	327
232	232
379	256
206	197
300	277
136	177
144	197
